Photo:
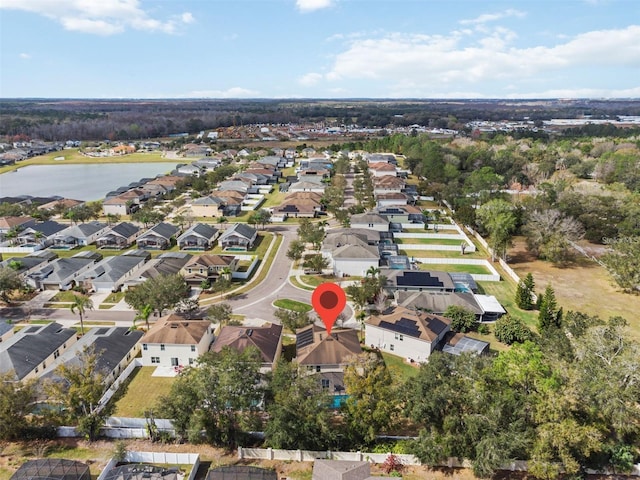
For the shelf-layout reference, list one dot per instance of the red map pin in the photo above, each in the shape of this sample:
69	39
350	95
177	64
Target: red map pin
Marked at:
328	300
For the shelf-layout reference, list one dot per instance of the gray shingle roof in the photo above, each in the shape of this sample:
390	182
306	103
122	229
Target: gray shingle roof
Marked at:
163	229
125	229
240	229
31	346
201	230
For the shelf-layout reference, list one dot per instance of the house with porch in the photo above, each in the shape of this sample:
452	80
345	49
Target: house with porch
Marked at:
62	273
174	342
199	236
158	237
238	236
110	273
40	235
208	268
79	235
119	236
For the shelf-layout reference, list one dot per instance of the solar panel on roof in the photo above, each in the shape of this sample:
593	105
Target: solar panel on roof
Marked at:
406	327
304	338
419	279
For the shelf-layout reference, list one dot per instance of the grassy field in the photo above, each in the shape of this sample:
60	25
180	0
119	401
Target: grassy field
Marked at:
460	268
74	157
584	286
398	365
477	255
143	391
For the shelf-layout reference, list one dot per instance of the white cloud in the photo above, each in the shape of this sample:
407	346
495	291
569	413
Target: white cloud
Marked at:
412	63
100	17
492	17
25	56
310	79
234	92
312	5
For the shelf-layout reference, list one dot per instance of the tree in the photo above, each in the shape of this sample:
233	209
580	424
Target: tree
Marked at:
220	313
498	218
291	319
295	251
550	235
260	218
160	292
78	387
298	407
548	315
372	404
143	314
462	319
188	307
509	330
220	396
9	281
316	262
81	303
482	182
623	262
525	292
17	401
310	232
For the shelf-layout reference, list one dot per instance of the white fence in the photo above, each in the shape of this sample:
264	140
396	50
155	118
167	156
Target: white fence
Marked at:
493	277
115	386
309	456
21	249
247	273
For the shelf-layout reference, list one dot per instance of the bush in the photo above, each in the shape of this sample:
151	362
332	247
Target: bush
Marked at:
511	330
392	464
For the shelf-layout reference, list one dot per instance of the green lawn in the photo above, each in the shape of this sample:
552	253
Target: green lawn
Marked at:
143	392
505	293
399	366
428	241
477	255
67	296
293	305
315	280
114	297
460	268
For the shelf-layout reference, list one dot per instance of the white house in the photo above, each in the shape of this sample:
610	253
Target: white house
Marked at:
174	342
407	333
354	260
371	221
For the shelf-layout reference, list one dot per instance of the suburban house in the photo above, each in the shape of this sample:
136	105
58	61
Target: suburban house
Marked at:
327	355
371	221
393	199
62	204
208	268
388	184
238	236
168	263
209	206
79	235
110	273
14	224
191	169
157	237
198	237
40	234
115	347
354	259
407	333
307	186
29	263
437	302
119	236
295	209
174	342
380	169
62	273
381	157
343	470
28	352
267	340
125	203
418	281
402	214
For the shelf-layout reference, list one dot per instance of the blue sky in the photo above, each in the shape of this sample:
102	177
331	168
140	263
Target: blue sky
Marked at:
320	48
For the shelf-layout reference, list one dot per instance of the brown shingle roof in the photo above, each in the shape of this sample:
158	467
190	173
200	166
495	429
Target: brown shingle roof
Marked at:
424	326
175	330
266	339
325	349
210	260
10	222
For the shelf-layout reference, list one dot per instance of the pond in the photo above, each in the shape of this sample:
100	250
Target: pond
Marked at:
80	182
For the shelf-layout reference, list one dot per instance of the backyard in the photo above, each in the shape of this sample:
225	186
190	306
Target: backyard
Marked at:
142	391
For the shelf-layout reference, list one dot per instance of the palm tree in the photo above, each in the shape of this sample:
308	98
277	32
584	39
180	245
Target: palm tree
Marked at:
143	314
373	271
81	303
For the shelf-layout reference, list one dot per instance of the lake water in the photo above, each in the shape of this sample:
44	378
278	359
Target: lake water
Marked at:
80	182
